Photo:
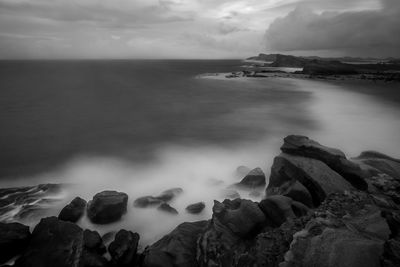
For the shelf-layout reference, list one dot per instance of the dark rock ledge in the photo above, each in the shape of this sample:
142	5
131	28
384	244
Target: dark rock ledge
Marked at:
320	209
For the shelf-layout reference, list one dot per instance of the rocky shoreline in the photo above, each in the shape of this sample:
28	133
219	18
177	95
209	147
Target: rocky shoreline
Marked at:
320	209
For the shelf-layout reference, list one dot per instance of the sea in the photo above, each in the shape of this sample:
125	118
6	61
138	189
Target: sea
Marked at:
144	126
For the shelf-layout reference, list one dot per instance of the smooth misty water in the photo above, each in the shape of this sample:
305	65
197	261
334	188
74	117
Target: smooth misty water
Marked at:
145	126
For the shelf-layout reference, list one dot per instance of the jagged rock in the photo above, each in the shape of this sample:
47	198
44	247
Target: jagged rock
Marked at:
53	243
93	242
334	247
295	190
73	211
334	158
230	193
177	249
167	208
254	179
383	163
196	207
314	175
14	238
277	209
146	201
170	194
240	216
58	243
107	207
124	248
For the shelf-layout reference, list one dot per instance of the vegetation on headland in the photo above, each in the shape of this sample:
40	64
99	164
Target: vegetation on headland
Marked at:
371	69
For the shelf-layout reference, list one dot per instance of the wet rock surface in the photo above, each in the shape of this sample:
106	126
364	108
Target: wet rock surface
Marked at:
312	215
107	207
73	211
196	208
14	238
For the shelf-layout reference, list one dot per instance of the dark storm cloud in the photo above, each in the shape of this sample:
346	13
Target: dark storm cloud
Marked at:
368	32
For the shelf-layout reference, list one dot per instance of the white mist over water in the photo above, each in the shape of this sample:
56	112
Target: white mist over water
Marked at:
347	120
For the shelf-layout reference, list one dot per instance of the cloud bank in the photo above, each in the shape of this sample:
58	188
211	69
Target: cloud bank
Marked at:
363	33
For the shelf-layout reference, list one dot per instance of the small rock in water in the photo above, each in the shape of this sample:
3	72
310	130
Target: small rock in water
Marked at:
73	211
146	201
170	194
167	208
107	207
254	179
196	208
255	193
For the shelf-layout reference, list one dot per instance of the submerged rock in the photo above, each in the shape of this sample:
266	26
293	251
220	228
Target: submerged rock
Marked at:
166	196
107	207
146	201
170	194
165	207
14	238
124	248
313	174
196	208
177	249
73	211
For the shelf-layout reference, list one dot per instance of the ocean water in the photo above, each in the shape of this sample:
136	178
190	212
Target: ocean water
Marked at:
142	127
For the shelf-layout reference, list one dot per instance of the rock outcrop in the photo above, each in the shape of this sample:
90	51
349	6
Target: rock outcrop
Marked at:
177	249
107	207
312	215
314	175
14	238
165	207
334	158
73	211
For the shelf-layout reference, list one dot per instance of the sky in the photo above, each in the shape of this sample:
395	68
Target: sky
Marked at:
205	29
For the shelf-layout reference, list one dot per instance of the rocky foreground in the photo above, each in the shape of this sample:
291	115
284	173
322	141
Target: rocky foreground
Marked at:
320	209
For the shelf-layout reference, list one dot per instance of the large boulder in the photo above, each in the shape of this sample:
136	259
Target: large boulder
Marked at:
59	243
241	217
73	211
124	248
316	176
195	208
14	238
334	158
54	243
177	249
107	207
255	178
